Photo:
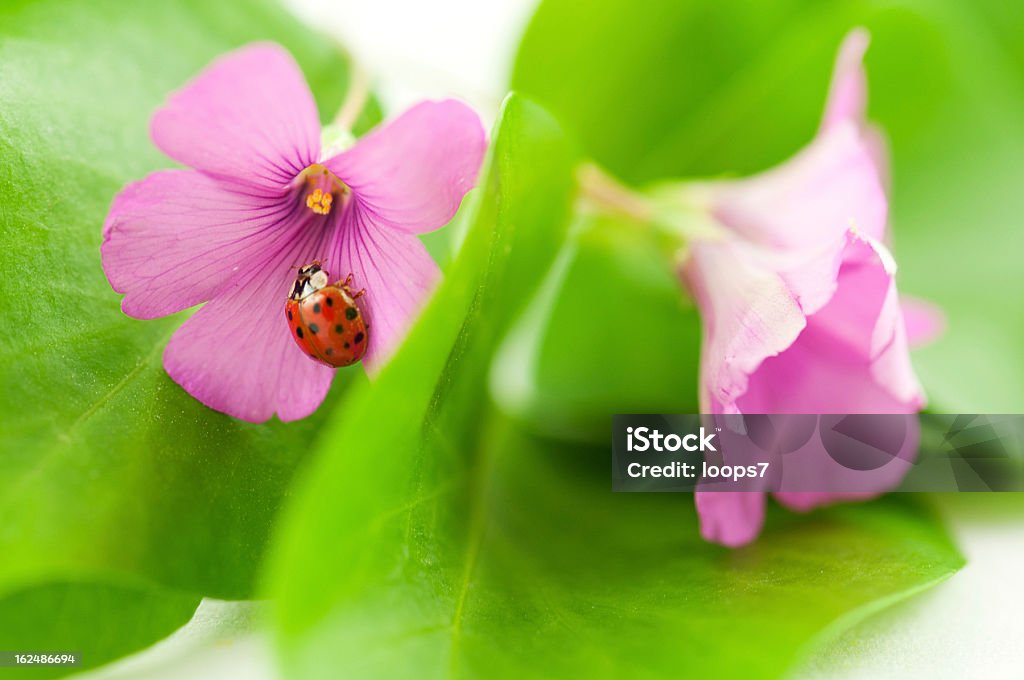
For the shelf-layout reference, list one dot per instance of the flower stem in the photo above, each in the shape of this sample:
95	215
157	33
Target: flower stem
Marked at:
678	212
607	194
355	98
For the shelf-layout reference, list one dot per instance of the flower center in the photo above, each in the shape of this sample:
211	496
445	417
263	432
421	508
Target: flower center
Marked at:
319	202
322	189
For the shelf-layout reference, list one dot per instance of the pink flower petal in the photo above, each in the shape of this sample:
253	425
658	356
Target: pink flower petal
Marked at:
848	94
396	271
249	118
173	239
815	465
811	199
730	518
236	354
749	314
412	173
851	358
924	321
848	101
761	356
800	307
232	230
877	146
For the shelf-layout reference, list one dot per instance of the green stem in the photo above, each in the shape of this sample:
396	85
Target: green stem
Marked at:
355	98
680	213
607	195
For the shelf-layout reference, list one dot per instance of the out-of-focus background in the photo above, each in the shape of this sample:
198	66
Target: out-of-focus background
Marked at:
422	50
970	626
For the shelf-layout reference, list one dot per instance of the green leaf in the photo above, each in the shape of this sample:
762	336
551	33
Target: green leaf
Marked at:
610	331
120	619
403	439
699	88
111	472
656	92
433	538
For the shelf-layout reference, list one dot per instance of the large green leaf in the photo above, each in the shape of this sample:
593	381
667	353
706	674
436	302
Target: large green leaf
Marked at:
434	539
110	470
680	88
404	438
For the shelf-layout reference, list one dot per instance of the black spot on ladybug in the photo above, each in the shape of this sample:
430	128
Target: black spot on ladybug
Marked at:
330	302
314	329
316	309
338	329
329	351
351	313
298	332
346	345
289	315
358	339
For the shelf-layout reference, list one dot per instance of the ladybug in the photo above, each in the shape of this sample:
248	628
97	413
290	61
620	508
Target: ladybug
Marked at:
324	319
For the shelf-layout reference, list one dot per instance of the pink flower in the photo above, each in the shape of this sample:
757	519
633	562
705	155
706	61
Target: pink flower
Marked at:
231	231
797	291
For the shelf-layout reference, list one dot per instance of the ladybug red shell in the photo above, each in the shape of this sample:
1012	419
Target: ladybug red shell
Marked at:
325	320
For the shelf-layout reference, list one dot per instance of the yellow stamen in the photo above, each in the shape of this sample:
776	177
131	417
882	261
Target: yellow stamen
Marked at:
319	202
323	188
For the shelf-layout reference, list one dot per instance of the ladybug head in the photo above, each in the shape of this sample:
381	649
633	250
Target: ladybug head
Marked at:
310	279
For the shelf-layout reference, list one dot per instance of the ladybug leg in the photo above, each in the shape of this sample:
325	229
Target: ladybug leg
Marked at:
361	293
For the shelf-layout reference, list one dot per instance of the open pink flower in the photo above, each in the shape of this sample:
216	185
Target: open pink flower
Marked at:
798	295
231	231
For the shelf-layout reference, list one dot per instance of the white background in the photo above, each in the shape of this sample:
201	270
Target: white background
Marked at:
969	626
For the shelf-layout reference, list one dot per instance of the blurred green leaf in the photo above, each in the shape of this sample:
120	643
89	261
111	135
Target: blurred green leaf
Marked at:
119	619
694	88
660	90
434	539
111	472
608	332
